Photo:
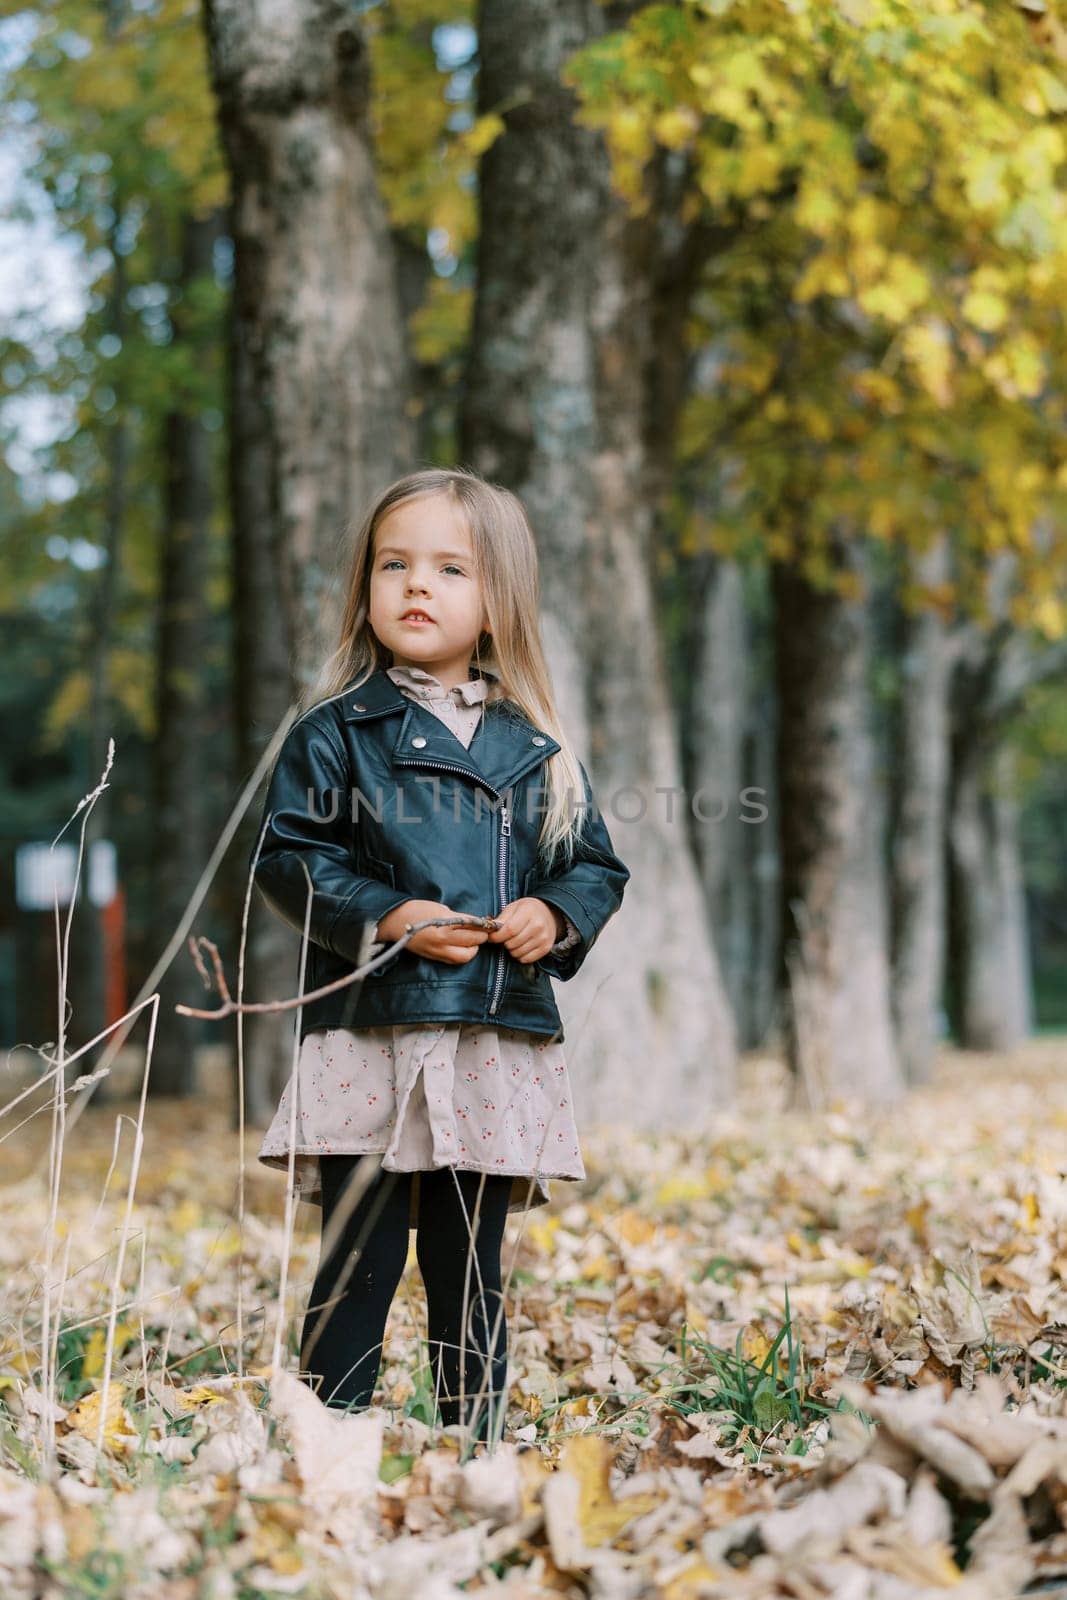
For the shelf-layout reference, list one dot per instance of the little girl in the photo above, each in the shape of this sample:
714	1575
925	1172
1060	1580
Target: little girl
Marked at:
421	784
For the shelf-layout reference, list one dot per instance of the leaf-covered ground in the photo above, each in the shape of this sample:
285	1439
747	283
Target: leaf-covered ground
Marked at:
784	1355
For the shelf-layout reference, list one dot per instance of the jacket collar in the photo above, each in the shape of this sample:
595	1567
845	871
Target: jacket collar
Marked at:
505	746
423	684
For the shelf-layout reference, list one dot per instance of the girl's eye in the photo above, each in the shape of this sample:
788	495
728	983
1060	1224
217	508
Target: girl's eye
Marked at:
395	562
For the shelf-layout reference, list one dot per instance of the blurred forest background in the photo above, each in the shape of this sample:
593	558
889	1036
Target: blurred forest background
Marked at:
758	307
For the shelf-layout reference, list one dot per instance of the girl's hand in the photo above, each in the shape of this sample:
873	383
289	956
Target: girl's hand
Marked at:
528	927
455	944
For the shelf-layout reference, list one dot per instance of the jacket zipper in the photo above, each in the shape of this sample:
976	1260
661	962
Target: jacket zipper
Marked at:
505	835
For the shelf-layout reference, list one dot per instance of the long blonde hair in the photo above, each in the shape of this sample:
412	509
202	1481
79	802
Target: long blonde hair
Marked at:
505	555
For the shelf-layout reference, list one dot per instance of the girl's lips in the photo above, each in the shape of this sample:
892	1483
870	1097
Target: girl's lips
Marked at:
417	622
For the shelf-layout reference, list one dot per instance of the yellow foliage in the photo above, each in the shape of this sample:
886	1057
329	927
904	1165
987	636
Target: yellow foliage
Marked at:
630	133
483	132
868	218
760	170
826	273
817	208
985	309
902	288
1017	367
675	127
926	346
1049	615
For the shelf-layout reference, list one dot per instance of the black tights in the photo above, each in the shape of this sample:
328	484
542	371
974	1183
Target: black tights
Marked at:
346	1348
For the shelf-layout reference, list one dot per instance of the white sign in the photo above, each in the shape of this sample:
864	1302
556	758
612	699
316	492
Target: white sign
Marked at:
44	873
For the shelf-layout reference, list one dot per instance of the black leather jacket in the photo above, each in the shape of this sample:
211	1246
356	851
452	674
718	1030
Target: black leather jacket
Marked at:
433	821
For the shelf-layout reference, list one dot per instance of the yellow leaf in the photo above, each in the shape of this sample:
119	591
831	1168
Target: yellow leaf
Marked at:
824	274
599	1267
543	1233
185	1216
817	209
866	219
984	177
96	1348
676	127
759	169
717	1179
692	1582
635	1228
84	1418
927	348
806	1249
903	286
695	1318
755	1345
1052	90
201	1395
681	1187
629	133
1049	616
915	1217
985	310
588	1457
482	133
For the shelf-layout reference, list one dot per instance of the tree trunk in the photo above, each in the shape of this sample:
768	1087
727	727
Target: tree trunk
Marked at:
180	778
732	831
991	980
103	609
920	770
319	386
835	953
990	985
760	1013
558	405
315	284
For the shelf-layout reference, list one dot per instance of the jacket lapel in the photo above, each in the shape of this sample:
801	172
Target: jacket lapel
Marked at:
505	747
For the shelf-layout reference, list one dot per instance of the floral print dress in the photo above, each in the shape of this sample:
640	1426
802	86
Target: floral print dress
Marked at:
479	1098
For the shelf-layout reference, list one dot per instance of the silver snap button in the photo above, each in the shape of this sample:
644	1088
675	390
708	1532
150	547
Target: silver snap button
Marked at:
537	739
418	741
357	705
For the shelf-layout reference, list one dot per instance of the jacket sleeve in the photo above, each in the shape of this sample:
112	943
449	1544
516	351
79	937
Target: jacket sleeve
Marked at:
588	892
308	820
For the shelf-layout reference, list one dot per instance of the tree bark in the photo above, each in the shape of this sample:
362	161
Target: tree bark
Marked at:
180	778
920	775
319	387
103	610
834	965
558	405
726	767
315	285
990	984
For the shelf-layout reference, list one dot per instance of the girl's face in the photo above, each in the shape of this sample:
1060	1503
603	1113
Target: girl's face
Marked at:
423	562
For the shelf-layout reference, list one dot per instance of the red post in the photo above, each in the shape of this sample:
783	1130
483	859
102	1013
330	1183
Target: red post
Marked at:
113	930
